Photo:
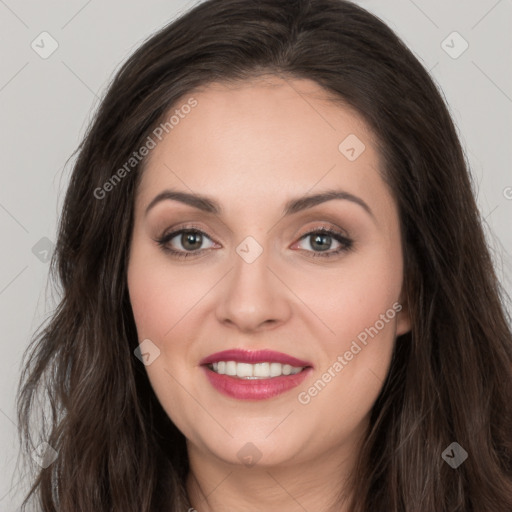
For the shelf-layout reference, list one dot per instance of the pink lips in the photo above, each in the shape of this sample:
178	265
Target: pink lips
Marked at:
254	389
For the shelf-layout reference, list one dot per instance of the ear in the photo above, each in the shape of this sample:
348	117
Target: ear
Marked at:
403	318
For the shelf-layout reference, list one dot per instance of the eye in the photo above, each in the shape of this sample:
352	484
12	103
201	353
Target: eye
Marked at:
320	242
188	242
185	242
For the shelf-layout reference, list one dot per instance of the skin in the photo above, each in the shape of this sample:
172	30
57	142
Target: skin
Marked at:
251	148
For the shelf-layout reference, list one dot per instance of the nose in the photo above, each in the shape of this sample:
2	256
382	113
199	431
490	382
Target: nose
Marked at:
253	298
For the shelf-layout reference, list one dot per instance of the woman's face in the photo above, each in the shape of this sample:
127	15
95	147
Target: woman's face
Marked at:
253	279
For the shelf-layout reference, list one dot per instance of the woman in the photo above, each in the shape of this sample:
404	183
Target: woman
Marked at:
276	291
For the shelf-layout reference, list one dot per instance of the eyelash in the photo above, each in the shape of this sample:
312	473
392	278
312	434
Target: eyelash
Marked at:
346	243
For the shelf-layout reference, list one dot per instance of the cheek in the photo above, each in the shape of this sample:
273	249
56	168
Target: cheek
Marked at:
352	297
147	297
160	301
359	305
356	358
159	296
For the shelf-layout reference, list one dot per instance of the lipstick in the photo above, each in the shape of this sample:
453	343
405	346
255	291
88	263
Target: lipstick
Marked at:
254	375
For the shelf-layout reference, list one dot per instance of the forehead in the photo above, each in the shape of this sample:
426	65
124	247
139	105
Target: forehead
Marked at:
262	136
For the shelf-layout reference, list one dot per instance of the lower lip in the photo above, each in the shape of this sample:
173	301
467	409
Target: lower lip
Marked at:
254	389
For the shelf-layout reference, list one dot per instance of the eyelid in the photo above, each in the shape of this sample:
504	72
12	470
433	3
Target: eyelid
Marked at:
168	235
325	226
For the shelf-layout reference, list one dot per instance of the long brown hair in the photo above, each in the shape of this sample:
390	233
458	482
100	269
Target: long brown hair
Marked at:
451	376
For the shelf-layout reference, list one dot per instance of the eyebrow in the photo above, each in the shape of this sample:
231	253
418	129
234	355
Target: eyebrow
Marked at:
206	204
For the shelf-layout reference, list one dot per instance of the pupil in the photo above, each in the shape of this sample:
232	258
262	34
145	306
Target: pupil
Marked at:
188	240
320	241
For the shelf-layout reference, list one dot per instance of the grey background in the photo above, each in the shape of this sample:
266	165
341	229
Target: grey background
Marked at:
46	104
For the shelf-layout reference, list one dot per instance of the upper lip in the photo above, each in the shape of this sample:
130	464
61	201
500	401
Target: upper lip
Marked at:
254	356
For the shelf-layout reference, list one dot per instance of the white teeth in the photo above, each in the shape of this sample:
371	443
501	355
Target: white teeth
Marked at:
275	369
244	370
262	369
254	371
230	368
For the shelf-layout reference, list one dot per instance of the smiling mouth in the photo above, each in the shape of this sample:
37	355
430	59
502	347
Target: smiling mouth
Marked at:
256	371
